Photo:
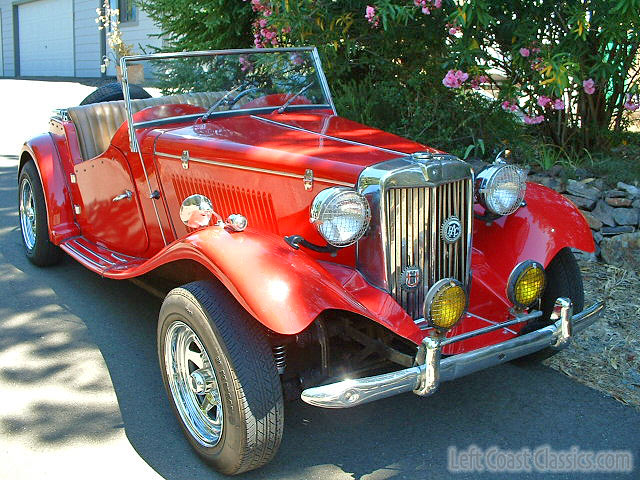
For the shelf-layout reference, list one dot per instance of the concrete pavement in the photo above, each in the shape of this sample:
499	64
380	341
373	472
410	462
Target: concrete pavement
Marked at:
81	394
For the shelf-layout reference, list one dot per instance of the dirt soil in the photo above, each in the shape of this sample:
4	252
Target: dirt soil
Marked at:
606	356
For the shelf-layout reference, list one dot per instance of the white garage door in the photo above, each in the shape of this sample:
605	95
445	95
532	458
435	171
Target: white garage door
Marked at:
45	29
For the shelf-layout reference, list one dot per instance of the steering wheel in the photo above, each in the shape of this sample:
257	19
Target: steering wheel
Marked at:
243	93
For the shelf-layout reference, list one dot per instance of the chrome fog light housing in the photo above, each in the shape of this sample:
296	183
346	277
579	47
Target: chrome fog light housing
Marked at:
526	284
341	215
501	188
445	303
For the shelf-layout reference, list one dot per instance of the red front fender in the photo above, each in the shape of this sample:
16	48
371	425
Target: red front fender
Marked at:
548	223
283	288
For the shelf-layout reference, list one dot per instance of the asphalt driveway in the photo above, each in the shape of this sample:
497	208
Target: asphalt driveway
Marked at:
81	394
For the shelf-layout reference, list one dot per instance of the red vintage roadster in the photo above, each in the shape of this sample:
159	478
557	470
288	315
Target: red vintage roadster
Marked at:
304	255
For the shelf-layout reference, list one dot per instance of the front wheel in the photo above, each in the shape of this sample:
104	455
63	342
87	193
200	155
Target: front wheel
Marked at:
564	279
221	378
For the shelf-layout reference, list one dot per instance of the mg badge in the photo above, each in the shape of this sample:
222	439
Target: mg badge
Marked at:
410	277
451	229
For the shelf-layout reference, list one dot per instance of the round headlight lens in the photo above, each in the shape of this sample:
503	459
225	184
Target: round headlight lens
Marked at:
445	303
501	188
341	215
526	284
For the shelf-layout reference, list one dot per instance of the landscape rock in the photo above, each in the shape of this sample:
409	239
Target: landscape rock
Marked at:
586	256
608	231
582	190
622	251
618	202
630	189
597	236
625	216
581	202
615	194
551	182
593	222
555	171
604	213
636	203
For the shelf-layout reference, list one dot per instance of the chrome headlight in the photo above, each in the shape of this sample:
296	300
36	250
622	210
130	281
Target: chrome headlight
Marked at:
501	188
341	215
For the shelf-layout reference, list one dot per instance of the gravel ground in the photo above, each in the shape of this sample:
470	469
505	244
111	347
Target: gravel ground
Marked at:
607	355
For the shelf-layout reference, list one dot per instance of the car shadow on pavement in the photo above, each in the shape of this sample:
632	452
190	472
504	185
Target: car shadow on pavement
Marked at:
402	437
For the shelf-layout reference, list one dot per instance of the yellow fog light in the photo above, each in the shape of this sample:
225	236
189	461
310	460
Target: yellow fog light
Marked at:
445	303
526	284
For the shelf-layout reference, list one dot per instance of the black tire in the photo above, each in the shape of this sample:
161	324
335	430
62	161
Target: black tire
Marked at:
38	248
247	380
564	279
113	91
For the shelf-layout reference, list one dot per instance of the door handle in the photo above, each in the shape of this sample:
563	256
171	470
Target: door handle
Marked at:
122	196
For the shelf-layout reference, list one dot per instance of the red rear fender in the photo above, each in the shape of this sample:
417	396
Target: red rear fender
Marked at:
54	182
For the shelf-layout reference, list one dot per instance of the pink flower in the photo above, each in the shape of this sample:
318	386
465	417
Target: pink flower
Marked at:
509	107
535	50
558	104
370	15
543	100
589	86
630	104
525	52
455	78
533	120
245	64
478	80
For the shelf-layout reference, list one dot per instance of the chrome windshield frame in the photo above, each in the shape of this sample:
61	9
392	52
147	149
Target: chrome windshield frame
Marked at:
131	126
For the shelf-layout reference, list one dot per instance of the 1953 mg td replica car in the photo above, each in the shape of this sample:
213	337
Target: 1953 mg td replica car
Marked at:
303	254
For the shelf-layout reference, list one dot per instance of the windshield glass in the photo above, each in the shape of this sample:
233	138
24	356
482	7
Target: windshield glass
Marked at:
209	84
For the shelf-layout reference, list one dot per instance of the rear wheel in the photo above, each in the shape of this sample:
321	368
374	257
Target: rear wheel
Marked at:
564	279
113	91
34	225
221	378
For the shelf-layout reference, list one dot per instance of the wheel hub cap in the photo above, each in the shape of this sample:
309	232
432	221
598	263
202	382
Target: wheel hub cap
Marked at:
193	384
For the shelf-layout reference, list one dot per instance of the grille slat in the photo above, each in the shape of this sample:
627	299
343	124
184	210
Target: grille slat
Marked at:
414	218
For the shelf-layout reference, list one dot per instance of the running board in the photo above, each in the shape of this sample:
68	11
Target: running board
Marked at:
99	259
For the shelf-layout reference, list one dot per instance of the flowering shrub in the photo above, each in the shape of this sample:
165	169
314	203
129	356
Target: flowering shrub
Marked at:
108	19
572	68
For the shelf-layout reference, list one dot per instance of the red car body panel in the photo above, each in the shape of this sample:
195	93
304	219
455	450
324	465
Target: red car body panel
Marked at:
254	166
57	195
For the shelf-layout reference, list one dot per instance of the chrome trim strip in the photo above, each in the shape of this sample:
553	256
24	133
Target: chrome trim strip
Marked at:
323	80
78	244
255	169
203	53
72	249
133	140
491	322
330	137
424	379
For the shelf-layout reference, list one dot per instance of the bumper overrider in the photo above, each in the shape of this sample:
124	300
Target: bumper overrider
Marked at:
424	378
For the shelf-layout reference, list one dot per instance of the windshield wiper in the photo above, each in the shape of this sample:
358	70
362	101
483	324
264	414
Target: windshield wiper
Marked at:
213	107
288	102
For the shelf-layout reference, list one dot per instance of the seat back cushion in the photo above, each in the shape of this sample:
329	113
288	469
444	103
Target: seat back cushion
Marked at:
97	123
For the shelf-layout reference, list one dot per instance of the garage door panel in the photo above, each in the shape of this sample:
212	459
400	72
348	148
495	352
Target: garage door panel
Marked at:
45	30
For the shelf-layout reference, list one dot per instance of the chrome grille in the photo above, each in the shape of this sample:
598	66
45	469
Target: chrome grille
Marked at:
414	217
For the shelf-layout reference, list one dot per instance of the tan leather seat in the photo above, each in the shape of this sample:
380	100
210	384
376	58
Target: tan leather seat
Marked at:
97	123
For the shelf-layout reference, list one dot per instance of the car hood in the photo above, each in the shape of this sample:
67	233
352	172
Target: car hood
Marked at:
333	147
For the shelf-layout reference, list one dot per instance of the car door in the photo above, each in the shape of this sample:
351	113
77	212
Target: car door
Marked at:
109	211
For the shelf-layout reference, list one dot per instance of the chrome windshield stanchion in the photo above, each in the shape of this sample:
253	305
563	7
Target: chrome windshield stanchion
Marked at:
429	355
563	311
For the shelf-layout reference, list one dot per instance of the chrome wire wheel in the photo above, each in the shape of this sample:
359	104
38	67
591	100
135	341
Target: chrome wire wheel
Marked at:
27	214
193	384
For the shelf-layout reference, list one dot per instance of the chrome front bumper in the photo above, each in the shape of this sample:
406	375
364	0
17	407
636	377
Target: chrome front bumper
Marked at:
423	379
